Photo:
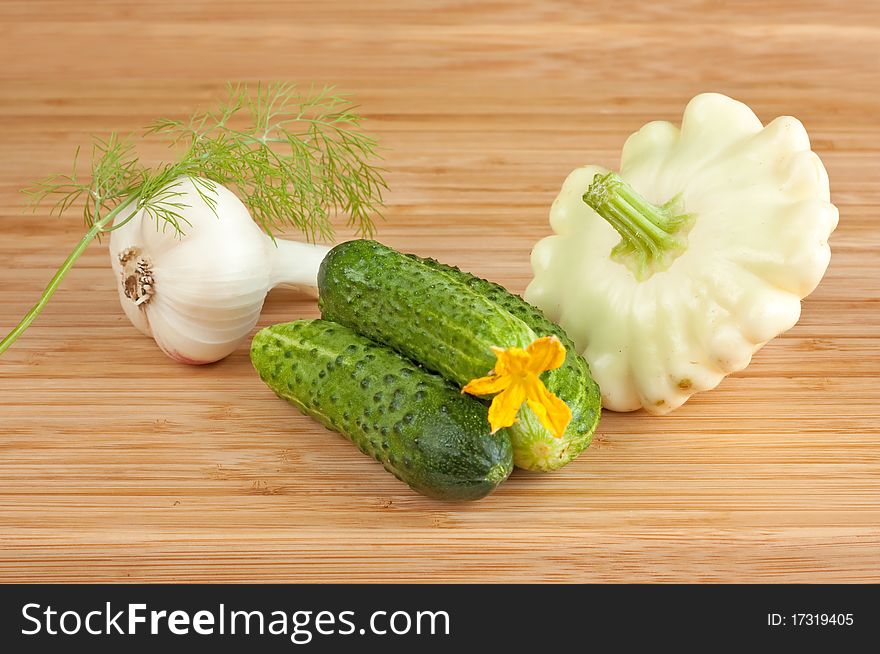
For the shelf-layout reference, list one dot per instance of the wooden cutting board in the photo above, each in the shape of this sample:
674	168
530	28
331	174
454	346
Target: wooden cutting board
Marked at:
117	464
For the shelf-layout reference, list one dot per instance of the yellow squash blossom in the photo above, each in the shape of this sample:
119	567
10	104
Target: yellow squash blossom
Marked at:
516	379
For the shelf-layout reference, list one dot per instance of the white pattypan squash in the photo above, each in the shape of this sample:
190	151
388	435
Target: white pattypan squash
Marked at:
692	258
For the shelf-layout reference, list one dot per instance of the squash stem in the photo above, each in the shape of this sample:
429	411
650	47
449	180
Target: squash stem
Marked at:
652	236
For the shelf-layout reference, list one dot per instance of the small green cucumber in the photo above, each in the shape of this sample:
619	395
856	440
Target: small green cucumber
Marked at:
417	424
448	321
572	381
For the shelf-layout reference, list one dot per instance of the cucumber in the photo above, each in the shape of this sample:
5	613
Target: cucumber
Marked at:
417	424
448	321
572	381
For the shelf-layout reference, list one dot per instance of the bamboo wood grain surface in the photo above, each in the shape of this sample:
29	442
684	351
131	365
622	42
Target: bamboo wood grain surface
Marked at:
117	464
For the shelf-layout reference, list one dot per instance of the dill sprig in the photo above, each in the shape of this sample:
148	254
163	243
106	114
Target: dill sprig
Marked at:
295	158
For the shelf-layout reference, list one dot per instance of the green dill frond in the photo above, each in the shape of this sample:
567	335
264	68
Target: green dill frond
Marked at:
115	174
295	158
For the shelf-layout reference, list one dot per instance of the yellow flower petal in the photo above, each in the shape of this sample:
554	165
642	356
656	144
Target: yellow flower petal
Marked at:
545	353
510	360
505	406
487	385
553	413
515	379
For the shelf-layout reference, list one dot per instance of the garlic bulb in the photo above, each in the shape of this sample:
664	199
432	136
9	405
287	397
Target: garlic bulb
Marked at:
199	294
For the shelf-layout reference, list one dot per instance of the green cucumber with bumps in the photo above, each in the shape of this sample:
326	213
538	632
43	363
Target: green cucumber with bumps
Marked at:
448	320
417	424
572	381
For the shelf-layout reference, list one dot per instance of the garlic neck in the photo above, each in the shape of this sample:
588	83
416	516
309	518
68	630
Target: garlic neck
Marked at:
652	236
137	276
295	264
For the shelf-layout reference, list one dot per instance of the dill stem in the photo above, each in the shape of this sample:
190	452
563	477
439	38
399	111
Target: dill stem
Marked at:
61	273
